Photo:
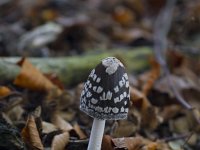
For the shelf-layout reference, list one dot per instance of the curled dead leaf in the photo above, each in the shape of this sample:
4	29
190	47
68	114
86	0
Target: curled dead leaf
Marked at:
61	123
48	127
60	141
30	77
30	134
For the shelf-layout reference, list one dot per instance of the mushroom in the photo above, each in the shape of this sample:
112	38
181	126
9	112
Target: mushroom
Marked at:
105	96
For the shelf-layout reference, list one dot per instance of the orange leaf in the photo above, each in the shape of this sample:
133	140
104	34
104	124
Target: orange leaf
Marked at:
124	16
55	80
4	91
30	134
152	146
107	143
31	78
151	76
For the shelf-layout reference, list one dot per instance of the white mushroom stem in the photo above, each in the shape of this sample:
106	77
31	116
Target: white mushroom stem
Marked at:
96	134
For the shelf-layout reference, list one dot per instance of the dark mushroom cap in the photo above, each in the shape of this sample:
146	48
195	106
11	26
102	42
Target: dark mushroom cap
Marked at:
106	93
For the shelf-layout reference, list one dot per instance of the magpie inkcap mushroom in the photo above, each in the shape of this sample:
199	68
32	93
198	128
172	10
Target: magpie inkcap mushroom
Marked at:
106	92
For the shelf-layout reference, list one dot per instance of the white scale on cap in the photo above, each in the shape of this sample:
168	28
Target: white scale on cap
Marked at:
111	64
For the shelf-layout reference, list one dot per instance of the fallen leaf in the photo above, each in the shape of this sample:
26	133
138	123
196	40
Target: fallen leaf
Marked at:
10	138
130	36
61	123
130	143
152	146
31	78
107	143
137	5
154	6
15	113
79	131
4	91
124	128
150	77
150	118
60	141
168	112
55	80
10	101
138	99
30	134
49	14
176	145
123	15
180	83
48	127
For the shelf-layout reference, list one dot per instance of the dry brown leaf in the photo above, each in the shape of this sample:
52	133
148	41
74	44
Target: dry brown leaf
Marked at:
61	123
137	5
123	15
151	146
15	113
151	77
49	14
107	143
31	78
30	134
48	127
131	143
154	6
60	141
4	91
169	112
124	128
138	99
131	35
55	80
150	118
138	143
79	131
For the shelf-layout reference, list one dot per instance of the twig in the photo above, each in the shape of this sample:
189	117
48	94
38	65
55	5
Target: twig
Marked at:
190	51
178	137
160	46
187	139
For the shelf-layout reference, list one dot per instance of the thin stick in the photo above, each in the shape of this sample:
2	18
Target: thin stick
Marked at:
160	39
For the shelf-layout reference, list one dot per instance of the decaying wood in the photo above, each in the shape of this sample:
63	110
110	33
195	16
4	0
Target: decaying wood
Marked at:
73	70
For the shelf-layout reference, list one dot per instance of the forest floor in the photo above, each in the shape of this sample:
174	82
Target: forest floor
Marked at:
49	47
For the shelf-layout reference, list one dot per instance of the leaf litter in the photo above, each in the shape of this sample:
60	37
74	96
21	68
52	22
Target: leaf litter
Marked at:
38	111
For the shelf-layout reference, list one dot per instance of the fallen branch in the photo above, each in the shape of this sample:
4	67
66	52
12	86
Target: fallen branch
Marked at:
73	70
